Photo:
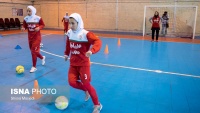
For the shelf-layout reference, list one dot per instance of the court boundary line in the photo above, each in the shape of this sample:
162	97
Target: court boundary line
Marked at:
132	68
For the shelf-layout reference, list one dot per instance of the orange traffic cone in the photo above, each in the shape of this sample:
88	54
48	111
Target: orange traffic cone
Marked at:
106	49
118	42
36	91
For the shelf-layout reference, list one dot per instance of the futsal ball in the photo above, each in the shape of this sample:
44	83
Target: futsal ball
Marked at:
41	45
20	69
61	102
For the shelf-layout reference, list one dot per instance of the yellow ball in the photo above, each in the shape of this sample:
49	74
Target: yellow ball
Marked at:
61	102
20	69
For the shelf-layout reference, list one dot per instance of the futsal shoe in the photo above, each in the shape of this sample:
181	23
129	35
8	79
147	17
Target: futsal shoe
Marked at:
41	45
33	69
156	40
43	60
97	108
152	40
87	96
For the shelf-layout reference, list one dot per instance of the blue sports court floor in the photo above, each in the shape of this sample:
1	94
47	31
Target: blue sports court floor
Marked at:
137	77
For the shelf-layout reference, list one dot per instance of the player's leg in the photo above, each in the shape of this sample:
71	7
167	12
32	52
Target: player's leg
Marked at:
153	32
34	58
85	79
157	34
163	29
36	51
66	26
73	77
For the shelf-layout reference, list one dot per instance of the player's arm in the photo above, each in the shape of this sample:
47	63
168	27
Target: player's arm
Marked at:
96	43
24	26
67	49
41	25
63	19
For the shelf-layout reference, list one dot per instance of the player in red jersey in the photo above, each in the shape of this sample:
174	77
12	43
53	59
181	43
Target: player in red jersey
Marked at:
65	21
33	23
78	47
155	20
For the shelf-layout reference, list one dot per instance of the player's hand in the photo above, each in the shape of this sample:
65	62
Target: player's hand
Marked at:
66	57
22	29
37	29
88	54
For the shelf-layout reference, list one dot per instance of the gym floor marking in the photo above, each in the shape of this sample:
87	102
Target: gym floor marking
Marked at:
132	68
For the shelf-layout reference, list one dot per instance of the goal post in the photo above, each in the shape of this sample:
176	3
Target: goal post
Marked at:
182	19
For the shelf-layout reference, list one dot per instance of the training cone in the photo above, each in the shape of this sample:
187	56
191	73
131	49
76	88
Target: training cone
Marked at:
106	49
18	47
118	42
36	93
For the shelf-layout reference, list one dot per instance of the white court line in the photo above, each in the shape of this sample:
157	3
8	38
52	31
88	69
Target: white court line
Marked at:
46	35
23	33
12	33
52	54
126	67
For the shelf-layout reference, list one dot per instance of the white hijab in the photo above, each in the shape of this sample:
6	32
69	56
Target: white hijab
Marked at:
78	18
66	16
32	9
33	16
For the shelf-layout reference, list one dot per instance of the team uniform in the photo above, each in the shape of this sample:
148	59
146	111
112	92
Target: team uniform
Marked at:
34	38
65	21
77	44
155	26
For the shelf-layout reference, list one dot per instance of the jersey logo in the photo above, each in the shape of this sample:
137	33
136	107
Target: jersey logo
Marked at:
75	46
75	52
85	76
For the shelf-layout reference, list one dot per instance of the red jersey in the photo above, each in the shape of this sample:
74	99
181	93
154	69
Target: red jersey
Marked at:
78	43
155	22
65	19
31	24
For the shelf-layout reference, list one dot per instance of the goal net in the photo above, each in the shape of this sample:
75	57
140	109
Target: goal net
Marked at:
182	20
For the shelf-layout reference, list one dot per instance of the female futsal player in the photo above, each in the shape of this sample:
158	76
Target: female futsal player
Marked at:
78	44
34	23
155	20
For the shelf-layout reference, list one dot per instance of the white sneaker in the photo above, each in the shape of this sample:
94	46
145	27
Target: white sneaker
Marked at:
97	108
41	45
87	96
33	69
43	60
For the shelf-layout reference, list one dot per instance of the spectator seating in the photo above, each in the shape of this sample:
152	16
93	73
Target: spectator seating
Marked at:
17	22
12	23
2	24
7	23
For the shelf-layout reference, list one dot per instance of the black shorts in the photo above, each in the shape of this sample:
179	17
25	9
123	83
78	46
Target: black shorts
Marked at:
155	28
